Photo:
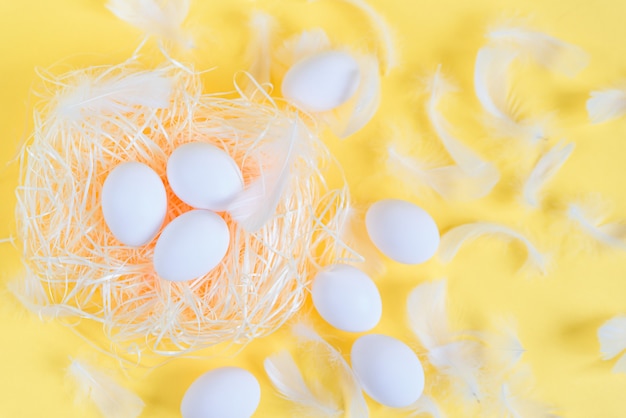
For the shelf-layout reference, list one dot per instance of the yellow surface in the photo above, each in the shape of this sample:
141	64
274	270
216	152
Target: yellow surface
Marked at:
557	316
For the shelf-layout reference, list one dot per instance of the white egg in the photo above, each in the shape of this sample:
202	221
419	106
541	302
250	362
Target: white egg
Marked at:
204	176
191	245
134	203
347	298
388	369
322	81
402	231
226	392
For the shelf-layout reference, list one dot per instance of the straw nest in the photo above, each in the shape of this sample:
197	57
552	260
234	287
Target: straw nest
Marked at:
75	268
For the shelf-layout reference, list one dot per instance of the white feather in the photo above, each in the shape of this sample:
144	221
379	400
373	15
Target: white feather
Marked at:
492	88
592	223
426	405
544	170
452	241
428	318
505	346
259	48
286	377
160	18
362	107
112	400
257	203
612	337
478	176
515	398
356	404
546	50
462	362
30	292
116	95
383	30
605	105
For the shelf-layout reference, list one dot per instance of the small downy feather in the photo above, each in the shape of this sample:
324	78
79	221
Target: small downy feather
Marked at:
383	30
548	51
478	176
115	95
452	241
258	201
286	377
356	406
302	45
547	166
516	400
426	405
605	105
259	48
160	18
112	400
426	309
612	338
29	291
462	362
591	221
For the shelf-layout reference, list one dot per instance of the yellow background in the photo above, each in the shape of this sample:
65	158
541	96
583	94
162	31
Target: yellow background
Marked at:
557	315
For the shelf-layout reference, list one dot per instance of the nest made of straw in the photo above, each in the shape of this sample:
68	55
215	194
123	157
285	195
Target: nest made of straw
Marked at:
75	268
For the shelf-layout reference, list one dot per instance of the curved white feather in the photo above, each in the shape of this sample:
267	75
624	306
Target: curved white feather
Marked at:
286	377
301	46
426	405
544	49
612	337
257	202
112	400
491	80
605	105
383	30
547	166
452	241
356	404
483	175
162	19
428	318
610	234
462	362
355	114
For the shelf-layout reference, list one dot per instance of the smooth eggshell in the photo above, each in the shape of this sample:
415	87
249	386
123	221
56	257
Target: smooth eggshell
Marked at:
226	392
134	203
402	231
204	176
322	81
388	369
191	245
347	298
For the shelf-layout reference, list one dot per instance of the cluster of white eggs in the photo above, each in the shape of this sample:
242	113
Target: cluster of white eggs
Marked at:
134	205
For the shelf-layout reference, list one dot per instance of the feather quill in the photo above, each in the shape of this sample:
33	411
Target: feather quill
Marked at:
612	338
605	105
286	377
544	170
160	18
548	51
116	95
356	405
478	176
452	241
112	400
257	203
591	221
